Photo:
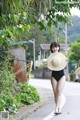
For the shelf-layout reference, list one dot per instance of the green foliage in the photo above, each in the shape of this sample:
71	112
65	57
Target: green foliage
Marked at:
35	8
74	52
72	75
14	29
8	103
78	40
28	94
7	81
73	30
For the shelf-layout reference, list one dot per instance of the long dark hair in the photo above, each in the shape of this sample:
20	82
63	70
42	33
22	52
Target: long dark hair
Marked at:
54	44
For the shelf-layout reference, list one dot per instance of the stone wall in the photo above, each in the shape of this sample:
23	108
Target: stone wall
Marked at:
42	73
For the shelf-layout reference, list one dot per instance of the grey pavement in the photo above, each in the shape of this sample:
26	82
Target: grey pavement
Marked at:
69	112
43	110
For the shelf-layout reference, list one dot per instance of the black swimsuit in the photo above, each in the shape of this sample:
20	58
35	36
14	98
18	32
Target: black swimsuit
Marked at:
57	74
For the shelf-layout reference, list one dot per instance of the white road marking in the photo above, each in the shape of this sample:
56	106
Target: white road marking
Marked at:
63	100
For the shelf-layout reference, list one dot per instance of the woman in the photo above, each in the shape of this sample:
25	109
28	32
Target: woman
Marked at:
57	62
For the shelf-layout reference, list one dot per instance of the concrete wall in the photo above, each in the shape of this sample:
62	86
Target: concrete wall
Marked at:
19	63
45	73
42	73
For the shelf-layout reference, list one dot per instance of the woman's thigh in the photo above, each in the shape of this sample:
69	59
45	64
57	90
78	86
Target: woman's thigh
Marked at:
54	84
61	84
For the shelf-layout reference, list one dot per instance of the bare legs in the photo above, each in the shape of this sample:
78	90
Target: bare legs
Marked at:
57	89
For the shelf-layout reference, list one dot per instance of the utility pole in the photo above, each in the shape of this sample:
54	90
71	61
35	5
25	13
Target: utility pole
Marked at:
34	52
65	42
65	33
33	41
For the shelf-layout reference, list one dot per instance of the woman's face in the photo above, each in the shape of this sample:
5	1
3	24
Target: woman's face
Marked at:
55	49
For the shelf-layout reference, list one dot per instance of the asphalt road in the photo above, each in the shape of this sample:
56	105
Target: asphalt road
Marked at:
71	109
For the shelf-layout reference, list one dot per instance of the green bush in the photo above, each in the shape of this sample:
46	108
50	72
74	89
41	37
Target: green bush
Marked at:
8	103
72	75
28	94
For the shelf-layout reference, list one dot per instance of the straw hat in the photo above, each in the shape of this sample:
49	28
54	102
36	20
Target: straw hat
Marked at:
56	61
